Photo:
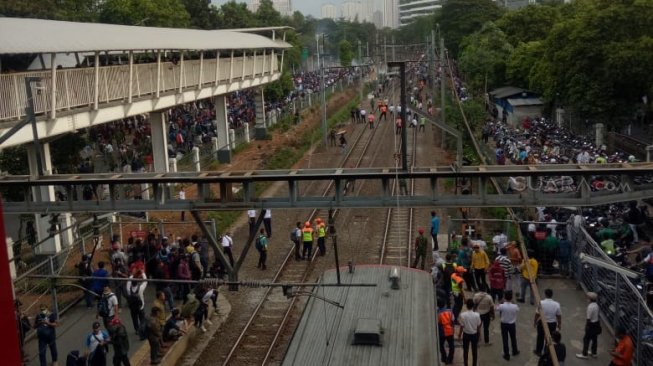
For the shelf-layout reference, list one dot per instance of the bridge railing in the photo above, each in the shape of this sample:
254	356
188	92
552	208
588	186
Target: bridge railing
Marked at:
620	300
76	88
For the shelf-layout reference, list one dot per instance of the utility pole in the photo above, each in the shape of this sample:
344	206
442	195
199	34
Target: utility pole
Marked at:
443	78
402	102
323	85
360	69
434	69
393	49
385	52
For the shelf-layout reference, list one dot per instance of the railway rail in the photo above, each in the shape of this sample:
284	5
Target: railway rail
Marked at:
258	339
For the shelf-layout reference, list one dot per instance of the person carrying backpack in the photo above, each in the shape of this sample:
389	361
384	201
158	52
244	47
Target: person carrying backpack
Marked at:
107	306
295	234
135	300
262	247
97	344
45	324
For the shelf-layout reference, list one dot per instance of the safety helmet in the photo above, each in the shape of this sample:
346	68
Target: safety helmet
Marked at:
307	224
420	230
318	220
190	249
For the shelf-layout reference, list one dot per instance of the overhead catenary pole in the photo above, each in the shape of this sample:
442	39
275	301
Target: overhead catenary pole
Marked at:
393	49
443	78
360	69
323	85
404	122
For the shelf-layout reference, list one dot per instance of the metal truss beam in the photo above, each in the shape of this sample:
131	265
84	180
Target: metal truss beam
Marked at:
206	183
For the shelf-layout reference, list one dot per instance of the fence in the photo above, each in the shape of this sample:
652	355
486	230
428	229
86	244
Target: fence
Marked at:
33	292
77	87
620	300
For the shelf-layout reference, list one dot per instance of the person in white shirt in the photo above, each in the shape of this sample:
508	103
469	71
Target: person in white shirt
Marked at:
592	327
267	221
135	298
470	324
552	315
227	243
479	241
553	225
500	240
182	196
251	218
508	313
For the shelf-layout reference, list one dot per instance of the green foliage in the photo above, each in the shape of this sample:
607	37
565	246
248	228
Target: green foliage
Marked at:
153	13
280	88
531	23
267	15
235	15
65	152
521	65
345	52
417	30
73	10
461	18
483	58
203	14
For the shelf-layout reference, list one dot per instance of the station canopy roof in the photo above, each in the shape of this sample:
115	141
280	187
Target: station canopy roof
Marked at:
21	35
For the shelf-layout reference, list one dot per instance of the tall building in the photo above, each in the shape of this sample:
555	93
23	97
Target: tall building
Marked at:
391	13
329	11
352	10
282	6
377	19
409	10
369	6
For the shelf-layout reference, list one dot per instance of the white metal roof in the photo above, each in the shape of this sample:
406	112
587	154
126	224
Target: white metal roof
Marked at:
21	35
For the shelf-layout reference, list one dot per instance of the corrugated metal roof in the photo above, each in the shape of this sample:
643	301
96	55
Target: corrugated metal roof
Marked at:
507	91
407	317
519	102
20	35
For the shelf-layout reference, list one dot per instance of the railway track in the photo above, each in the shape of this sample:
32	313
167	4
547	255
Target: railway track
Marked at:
397	236
259	337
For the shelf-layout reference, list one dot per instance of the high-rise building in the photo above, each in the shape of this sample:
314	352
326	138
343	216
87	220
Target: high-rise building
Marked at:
377	19
282	6
329	11
409	10
351	10
391	13
369	6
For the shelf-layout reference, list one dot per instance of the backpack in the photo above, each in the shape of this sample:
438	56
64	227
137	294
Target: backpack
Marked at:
259	245
103	307
447	270
133	300
293	235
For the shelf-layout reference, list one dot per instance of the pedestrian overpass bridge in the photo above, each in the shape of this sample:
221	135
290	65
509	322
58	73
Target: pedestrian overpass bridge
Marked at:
158	69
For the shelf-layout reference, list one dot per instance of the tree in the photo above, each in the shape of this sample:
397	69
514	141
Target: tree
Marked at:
266	15
483	58
203	14
152	13
461	18
531	23
235	15
520	67
597	65
346	53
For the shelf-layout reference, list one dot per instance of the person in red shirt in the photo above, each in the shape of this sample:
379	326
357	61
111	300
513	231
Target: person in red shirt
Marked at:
370	120
497	276
622	355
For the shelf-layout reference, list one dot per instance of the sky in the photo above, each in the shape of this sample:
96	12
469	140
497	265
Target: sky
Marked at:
307	7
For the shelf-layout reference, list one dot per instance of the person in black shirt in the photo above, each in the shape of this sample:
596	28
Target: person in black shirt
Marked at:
560	348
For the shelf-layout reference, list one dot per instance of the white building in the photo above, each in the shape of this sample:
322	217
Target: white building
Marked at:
377	19
352	10
329	11
282	6
391	13
412	9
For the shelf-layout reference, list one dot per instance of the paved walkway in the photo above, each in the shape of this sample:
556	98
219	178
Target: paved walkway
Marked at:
573	305
76	323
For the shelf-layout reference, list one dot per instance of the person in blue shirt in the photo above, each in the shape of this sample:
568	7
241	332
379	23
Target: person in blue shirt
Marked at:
99	284
96	346
435	229
564	255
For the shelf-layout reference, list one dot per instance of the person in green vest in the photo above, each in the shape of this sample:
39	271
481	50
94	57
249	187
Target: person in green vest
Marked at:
320	228
420	248
549	248
422	123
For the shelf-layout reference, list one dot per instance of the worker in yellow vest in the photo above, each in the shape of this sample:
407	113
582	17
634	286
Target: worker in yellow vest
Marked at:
307	238
457	291
320	229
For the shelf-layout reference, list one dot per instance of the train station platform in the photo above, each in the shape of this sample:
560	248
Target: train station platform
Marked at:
75	325
573	304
